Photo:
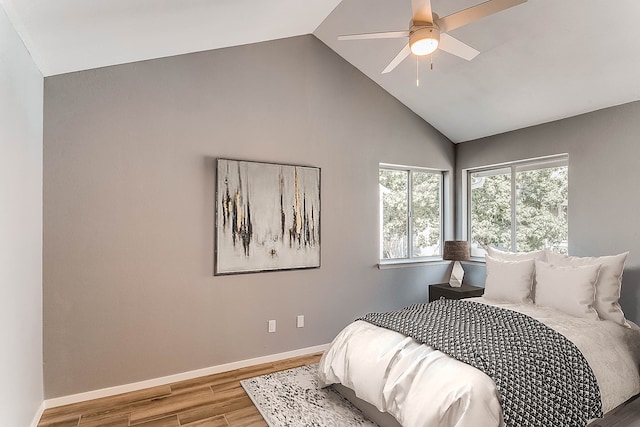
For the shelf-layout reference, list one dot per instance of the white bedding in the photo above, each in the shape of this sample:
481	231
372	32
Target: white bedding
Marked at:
423	387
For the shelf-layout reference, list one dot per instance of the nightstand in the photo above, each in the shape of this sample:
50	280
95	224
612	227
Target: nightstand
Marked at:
443	290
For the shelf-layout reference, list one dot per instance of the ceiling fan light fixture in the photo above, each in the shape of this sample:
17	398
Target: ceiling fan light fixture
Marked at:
424	41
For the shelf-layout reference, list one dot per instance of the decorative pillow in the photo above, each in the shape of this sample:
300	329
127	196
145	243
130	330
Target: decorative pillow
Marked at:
608	285
568	289
515	256
509	281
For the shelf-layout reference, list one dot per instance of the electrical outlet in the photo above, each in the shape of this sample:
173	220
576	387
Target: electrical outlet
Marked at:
300	321
272	326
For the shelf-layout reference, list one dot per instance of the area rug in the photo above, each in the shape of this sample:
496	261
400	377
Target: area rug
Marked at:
293	398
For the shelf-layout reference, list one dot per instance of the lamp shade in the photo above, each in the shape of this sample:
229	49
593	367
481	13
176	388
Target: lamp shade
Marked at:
456	250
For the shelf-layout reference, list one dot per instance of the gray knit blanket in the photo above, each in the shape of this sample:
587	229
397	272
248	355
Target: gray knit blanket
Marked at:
542	377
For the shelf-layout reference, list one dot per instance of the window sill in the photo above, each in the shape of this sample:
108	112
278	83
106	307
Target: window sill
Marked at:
384	265
475	261
422	263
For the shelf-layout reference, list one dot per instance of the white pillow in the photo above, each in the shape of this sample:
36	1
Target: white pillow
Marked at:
566	288
515	256
608	285
509	281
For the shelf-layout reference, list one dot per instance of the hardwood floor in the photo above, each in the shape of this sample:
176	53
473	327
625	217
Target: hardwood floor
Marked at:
212	401
217	401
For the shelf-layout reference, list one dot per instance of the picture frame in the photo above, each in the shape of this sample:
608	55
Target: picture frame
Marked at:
267	217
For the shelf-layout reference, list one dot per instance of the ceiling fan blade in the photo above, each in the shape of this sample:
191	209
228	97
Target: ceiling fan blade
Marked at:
422	10
366	36
406	50
456	47
466	16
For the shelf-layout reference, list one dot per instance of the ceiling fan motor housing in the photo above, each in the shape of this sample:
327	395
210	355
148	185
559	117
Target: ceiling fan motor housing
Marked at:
424	38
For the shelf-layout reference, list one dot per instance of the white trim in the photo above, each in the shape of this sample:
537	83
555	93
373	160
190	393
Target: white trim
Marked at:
126	388
406	168
465	203
38	415
522	162
410	262
514	212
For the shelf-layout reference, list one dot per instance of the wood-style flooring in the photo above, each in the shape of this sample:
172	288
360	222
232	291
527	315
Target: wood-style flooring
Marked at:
217	401
211	401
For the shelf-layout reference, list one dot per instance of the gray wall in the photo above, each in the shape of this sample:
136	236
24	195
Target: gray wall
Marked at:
604	194
21	90
129	170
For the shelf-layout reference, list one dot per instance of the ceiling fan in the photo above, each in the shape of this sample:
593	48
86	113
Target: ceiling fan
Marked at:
428	32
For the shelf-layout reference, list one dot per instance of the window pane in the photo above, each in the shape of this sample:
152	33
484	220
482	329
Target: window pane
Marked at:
394	189
425	211
490	210
541	209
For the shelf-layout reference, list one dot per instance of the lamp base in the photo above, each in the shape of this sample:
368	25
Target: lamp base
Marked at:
457	273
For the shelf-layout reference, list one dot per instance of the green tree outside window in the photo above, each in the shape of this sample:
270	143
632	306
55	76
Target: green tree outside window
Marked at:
411	218
540	201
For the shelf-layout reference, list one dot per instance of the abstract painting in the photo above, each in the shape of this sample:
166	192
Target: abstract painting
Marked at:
267	217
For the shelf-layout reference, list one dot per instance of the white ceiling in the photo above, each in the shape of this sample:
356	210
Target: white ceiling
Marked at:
540	61
72	35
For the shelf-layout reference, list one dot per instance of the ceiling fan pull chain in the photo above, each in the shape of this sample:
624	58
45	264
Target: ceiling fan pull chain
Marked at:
417	72
431	58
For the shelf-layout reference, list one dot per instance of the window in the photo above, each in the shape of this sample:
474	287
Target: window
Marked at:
519	207
410	213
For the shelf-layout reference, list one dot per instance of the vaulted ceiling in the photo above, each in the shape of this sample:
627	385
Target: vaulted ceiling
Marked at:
540	61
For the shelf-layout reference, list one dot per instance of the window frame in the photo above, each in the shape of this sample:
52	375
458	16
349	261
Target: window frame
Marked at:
515	166
410	259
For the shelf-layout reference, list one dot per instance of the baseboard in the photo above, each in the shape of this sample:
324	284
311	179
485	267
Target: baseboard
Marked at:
38	415
112	391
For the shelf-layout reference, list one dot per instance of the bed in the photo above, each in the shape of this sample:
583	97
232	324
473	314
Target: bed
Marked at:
420	386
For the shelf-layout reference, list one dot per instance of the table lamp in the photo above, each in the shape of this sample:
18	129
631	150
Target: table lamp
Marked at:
456	251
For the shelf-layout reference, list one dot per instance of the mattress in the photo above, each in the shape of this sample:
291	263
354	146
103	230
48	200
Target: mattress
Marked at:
421	386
